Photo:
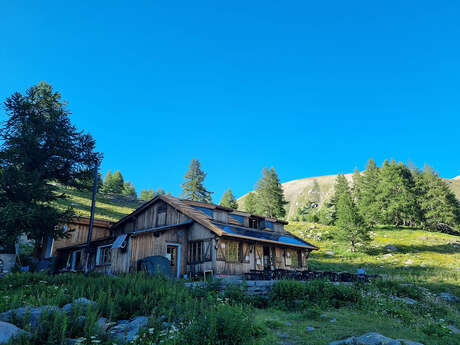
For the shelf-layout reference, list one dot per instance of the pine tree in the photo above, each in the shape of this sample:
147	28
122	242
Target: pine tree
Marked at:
440	209
117	182
147	194
250	203
160	191
341	187
39	148
129	190
357	188
366	194
351	227
107	183
395	195
270	197
228	200
193	188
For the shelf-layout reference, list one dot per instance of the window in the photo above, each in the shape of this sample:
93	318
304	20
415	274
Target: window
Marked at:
104	255
232	251
195	253
161	215
253	223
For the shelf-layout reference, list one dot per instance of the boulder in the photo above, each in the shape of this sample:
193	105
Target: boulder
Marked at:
374	338
126	330
309	328
390	248
83	302
31	314
406	300
9	331
448	297
103	324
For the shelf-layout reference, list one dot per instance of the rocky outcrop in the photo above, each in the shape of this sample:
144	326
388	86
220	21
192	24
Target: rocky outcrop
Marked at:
125	330
9	331
27	314
81	302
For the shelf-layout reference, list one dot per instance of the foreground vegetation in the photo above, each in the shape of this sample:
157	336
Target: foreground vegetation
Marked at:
423	265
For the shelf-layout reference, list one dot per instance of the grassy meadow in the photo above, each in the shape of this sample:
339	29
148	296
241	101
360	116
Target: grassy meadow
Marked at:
111	207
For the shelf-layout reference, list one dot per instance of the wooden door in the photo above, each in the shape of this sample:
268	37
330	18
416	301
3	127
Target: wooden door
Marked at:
171	254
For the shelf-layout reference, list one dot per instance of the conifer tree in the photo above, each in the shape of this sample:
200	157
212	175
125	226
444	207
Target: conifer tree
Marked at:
129	190
228	200
250	203
160	191
270	197
193	188
107	183
439	207
147	194
366	194
395	195
357	188
39	148
117	182
351	227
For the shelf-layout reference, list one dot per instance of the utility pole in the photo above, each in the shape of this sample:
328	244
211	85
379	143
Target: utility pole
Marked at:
91	219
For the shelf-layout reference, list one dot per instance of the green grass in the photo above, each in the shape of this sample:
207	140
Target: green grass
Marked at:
108	206
428	258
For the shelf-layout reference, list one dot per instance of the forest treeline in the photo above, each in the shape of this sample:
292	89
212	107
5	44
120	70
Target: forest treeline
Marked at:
393	194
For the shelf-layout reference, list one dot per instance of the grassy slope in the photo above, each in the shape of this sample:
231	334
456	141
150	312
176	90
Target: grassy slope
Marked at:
428	259
109	207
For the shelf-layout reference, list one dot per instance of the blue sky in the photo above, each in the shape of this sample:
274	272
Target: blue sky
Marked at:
311	88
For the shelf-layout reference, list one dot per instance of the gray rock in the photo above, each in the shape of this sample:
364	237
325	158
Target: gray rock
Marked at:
284	336
374	338
9	331
408	342
31	314
404	299
390	248
454	329
77	341
448	297
333	320
288	323
83	302
309	328
330	253
103	324
125	331
348	341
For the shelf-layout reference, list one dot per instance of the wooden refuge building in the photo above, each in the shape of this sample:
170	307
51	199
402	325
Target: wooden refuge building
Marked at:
200	237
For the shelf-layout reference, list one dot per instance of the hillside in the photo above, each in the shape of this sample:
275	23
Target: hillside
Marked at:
108	207
320	188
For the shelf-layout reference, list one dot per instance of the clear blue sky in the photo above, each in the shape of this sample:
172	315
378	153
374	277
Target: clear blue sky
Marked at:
311	88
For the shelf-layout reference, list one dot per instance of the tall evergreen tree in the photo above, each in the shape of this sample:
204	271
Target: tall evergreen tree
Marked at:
357	187
107	183
351	227
117	182
270	197
129	190
228	200
193	187
439	207
160	191
39	147
395	195
250	203
366	194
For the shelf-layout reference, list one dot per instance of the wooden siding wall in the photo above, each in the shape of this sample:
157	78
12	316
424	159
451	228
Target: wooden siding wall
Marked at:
80	236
